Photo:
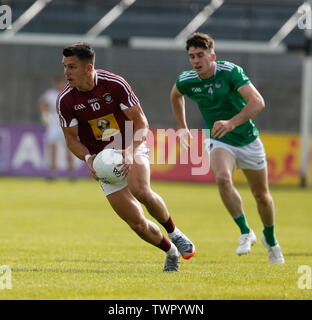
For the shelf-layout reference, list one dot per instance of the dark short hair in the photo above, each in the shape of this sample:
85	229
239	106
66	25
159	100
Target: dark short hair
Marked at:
82	50
200	40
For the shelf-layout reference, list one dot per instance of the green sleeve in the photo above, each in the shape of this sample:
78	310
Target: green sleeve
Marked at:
238	78
180	87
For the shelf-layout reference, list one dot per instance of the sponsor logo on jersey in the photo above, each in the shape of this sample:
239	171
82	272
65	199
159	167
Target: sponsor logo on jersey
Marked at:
79	106
104	127
108	98
218	84
210	88
210	91
103	124
93	100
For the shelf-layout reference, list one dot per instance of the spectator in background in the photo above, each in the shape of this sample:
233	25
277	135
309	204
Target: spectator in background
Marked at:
54	134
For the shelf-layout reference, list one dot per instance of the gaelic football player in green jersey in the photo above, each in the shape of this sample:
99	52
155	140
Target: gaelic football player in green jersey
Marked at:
228	101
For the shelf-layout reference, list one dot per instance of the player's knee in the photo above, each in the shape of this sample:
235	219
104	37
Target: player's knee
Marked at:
262	196
143	194
224	180
139	227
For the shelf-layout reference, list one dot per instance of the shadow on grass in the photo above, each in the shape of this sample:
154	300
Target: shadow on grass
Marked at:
305	254
80	269
58	270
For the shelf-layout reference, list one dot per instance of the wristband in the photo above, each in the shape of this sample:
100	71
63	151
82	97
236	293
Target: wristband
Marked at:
87	156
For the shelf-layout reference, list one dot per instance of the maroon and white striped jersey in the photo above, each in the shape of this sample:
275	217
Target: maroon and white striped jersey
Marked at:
99	112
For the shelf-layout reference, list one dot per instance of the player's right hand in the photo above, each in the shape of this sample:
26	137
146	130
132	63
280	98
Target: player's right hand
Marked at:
127	161
185	138
90	167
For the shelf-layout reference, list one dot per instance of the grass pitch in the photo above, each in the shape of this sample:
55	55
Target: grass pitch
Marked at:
63	241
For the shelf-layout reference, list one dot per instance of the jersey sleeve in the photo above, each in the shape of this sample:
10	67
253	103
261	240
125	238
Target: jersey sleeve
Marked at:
127	98
66	113
180	84
238	78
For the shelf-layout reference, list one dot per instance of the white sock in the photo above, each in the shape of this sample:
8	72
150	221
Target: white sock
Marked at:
173	251
175	232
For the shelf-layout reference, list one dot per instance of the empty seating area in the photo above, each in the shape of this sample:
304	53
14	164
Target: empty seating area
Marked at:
256	20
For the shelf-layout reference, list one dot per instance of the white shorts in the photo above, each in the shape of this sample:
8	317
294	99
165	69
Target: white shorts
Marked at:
111	188
250	157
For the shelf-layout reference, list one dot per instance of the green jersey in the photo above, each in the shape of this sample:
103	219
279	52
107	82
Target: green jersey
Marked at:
218	99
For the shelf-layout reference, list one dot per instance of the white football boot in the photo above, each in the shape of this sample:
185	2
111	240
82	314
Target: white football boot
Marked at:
245	242
275	252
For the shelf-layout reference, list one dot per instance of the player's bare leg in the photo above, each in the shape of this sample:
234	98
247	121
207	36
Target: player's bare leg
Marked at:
258	182
222	164
139	185
130	210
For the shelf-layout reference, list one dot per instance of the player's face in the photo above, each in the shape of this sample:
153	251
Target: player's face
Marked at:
202	61
75	71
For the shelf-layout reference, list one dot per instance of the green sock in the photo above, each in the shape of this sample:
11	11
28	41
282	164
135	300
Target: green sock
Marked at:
241	221
269	235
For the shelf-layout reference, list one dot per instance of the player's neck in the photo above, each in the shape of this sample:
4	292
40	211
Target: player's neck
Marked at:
88	84
210	73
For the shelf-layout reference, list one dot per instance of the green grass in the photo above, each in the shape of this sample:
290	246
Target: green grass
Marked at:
62	241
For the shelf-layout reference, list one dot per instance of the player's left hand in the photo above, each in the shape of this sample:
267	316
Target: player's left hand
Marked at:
127	161
90	167
221	127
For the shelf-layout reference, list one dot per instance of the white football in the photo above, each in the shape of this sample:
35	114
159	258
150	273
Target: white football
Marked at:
105	165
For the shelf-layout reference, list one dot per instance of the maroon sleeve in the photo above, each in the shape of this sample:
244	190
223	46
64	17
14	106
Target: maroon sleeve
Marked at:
127	98
65	110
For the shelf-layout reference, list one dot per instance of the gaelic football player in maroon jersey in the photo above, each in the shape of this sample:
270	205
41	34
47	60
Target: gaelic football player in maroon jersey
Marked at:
94	108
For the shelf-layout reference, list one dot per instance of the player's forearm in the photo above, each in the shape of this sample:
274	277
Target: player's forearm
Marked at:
77	148
139	126
140	131
252	108
178	108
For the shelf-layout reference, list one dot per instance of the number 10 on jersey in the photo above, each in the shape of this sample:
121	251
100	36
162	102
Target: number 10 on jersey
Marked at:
95	106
